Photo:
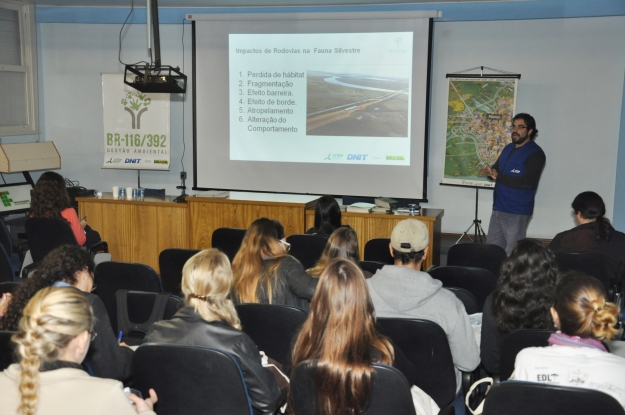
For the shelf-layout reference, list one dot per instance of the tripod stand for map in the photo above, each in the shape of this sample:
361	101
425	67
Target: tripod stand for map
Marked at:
477	223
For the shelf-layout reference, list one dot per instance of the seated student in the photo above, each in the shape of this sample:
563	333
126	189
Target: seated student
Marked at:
265	273
327	217
71	266
210	319
522	299
53	339
340	333
343	243
404	291
593	235
576	356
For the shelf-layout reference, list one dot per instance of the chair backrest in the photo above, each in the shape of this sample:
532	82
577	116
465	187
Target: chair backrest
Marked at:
595	265
191	380
111	276
5	237
468	299
371	266
7	349
140	306
524	398
7	273
45	234
171	261
8	286
478	281
476	255
272	327
307	248
377	250
425	344
228	240
390	392
516	341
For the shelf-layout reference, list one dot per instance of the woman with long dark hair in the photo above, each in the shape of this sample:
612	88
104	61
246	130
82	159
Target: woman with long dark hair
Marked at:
51	200
343	243
265	273
576	355
594	234
340	334
522	299
327	217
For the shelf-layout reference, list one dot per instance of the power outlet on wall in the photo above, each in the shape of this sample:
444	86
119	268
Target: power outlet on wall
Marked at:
183	175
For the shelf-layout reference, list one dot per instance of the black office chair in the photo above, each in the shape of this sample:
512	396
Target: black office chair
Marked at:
474	255
478	281
390	392
425	344
138	310
228	240
516	341
7	243
377	249
529	398
8	286
272	327
307	248
171	261
191	380
595	265
7	350
468	299
46	234
7	273
371	266
111	276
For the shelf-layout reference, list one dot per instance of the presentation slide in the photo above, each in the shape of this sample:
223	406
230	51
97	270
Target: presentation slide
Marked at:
313	98
312	103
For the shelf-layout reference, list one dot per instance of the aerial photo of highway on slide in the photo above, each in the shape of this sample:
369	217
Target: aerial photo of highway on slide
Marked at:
356	104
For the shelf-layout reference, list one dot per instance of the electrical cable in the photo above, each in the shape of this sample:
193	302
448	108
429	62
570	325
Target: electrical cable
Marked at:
184	147
119	53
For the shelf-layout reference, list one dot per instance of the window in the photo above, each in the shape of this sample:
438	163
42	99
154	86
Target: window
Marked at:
18	70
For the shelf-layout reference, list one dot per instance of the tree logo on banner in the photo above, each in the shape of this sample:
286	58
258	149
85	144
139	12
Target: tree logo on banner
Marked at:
135	102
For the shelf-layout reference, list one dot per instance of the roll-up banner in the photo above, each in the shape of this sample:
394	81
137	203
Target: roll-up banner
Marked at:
136	127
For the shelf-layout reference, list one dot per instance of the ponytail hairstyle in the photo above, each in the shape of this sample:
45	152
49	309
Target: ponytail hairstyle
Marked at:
590	205
343	243
52	318
49	196
206	285
582	308
340	333
259	243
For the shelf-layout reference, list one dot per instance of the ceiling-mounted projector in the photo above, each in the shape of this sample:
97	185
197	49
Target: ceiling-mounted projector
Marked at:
156	77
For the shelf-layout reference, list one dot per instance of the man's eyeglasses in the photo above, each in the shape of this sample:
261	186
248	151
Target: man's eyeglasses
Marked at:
93	335
94	284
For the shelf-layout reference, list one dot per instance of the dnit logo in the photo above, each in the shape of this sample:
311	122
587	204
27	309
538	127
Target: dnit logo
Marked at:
357	156
132	161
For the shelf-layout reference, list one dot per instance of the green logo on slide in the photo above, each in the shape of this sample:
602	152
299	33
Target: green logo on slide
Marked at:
331	157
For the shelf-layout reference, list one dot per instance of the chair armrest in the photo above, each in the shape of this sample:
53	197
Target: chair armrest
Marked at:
101	246
28	269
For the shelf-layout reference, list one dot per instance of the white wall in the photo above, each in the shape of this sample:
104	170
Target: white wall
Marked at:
72	58
572	82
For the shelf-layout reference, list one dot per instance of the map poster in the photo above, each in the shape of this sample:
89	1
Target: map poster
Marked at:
479	118
136	126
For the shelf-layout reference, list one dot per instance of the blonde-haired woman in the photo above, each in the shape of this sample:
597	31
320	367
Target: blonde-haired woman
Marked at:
342	243
209	319
265	273
577	356
52	341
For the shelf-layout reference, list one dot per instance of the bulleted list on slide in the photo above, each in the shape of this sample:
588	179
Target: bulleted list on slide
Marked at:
315	98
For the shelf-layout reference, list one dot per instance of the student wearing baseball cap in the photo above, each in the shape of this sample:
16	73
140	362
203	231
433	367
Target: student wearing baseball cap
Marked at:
402	290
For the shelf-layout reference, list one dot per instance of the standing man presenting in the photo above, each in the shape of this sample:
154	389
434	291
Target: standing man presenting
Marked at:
516	172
